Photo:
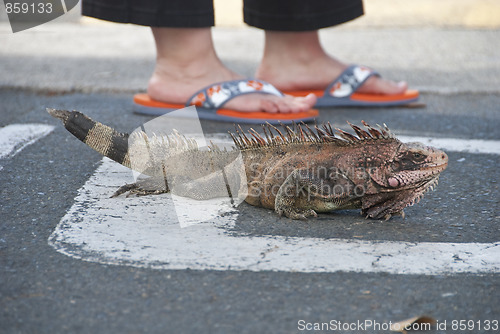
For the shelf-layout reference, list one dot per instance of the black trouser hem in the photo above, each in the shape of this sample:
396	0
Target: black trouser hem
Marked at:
301	21
157	18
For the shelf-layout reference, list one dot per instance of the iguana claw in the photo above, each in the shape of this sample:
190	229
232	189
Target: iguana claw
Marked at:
150	186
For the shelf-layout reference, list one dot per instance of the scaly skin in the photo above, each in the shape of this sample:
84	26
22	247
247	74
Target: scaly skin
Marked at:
298	172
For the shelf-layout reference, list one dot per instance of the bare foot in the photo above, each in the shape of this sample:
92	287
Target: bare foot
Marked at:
177	87
186	62
296	61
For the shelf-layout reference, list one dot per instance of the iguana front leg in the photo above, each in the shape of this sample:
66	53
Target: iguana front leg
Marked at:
306	192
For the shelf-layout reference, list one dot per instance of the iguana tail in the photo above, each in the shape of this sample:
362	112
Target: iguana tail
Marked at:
102	138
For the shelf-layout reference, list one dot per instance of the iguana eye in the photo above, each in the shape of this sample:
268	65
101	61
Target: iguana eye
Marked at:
418	156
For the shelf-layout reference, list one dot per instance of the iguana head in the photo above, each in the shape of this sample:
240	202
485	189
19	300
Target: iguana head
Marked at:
372	169
412	166
403	179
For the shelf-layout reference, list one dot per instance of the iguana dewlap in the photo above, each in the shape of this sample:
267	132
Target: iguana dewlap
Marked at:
298	172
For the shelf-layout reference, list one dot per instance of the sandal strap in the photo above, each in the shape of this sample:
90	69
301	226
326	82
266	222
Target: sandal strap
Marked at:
349	81
216	95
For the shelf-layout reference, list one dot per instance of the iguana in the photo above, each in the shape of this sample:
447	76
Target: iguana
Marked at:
296	171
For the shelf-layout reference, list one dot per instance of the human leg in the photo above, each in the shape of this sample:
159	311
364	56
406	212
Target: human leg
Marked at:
296	61
186	60
293	56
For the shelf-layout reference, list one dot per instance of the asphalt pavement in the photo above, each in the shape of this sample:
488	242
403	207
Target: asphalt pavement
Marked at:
48	287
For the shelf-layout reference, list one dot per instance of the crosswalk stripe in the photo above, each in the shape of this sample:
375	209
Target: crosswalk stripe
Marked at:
145	232
457	145
15	137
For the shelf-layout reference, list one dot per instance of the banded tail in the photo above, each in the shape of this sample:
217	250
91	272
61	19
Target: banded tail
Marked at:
100	137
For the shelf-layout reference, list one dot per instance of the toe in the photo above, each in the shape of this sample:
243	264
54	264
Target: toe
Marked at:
292	104
376	85
272	104
308	102
269	106
284	105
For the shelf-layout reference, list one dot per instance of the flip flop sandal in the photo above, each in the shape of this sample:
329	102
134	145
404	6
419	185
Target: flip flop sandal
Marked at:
342	91
210	100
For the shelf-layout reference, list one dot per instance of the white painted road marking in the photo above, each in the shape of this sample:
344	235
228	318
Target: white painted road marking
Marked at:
458	145
144	232
15	137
